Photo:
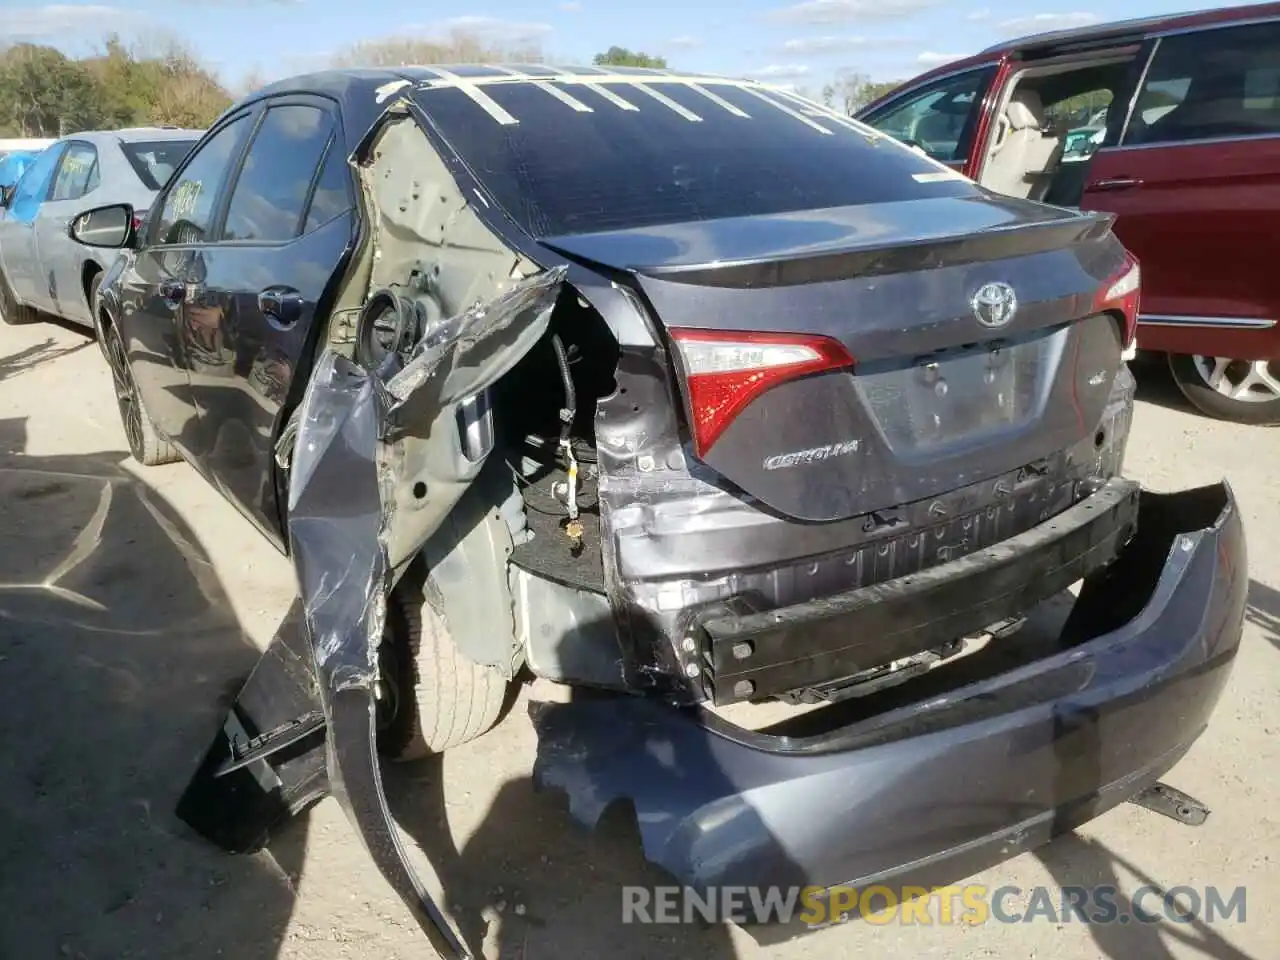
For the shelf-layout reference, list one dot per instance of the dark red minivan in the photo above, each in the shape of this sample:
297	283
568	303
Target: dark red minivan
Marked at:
1173	124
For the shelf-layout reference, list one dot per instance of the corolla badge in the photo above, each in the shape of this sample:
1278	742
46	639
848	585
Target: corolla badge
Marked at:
994	304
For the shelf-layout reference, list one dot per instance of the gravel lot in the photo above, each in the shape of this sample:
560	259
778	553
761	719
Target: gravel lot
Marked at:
133	599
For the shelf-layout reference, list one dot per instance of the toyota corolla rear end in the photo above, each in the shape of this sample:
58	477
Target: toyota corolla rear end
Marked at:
866	420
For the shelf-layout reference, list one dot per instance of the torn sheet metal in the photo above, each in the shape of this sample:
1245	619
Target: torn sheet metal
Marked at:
375	469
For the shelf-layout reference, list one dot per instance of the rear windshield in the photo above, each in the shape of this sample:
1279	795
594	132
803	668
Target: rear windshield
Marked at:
155	160
625	158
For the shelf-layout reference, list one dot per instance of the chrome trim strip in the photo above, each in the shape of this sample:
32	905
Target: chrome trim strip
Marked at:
1221	323
1243	138
1137	93
1220	25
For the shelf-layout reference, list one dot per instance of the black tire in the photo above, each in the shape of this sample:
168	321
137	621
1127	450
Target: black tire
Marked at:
11	311
433	696
146	444
91	293
1214	404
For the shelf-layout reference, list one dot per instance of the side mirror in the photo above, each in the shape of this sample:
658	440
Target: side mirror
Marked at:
111	227
6	196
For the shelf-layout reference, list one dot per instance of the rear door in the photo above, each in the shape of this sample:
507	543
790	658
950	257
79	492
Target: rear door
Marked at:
281	236
1195	181
18	229
61	258
942	117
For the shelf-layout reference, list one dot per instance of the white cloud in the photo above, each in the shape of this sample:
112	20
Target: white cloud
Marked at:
979	15
816	45
1045	23
56	20
780	71
849	11
571	7
497	29
684	42
931	59
830	45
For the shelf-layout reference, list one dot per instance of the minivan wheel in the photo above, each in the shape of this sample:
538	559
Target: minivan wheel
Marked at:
145	443
1241	391
431	697
11	311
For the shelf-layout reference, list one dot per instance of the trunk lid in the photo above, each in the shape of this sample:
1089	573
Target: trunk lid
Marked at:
950	382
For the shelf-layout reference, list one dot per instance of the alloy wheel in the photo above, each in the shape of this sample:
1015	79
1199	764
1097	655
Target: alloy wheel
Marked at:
1242	380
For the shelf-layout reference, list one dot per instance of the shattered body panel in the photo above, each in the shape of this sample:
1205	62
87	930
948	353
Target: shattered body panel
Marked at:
956	779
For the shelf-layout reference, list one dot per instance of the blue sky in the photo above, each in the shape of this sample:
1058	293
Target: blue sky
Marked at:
800	43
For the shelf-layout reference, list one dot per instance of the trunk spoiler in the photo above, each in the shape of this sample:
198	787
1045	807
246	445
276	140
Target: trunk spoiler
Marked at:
362	440
822	245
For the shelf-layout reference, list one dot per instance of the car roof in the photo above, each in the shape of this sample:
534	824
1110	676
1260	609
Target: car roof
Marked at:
364	93
1122	28
1118	30
134	135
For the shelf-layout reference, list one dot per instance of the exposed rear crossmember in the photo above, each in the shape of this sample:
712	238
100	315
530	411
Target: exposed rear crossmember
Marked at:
752	654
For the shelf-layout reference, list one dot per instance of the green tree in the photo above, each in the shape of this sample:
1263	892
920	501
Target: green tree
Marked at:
43	93
622	57
850	92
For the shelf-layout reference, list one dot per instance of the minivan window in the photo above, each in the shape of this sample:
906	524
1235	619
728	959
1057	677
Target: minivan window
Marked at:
1210	84
271	192
635	155
189	205
939	117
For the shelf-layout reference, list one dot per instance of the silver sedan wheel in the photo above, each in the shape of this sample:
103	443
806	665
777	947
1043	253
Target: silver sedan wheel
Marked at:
1242	380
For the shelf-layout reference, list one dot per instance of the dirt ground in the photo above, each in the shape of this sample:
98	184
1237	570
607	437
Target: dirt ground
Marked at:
132	600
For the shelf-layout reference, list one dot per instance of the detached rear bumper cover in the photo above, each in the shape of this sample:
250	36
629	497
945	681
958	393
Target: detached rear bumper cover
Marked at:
937	790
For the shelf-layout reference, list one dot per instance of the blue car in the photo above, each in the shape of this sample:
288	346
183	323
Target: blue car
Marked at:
13	164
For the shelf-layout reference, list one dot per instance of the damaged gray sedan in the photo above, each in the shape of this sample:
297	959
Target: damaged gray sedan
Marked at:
695	396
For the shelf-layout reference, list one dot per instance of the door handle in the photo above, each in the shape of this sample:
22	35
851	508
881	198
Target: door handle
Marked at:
1115	183
173	291
281	305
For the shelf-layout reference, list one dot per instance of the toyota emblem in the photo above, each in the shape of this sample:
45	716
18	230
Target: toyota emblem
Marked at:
994	304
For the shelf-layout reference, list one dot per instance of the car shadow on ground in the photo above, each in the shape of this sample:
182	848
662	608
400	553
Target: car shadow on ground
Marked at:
117	646
1076	861
16	364
1156	384
529	882
1263	611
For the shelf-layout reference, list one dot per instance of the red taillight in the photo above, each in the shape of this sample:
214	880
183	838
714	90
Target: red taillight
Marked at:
1122	291
725	370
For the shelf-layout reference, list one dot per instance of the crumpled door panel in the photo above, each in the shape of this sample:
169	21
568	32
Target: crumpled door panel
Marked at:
376	468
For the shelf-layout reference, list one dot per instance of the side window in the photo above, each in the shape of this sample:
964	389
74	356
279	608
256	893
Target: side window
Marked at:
34	185
939	118
271	193
76	172
189	204
333	189
1210	84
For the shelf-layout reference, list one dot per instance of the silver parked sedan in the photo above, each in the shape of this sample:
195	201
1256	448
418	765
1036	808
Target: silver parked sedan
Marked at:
41	267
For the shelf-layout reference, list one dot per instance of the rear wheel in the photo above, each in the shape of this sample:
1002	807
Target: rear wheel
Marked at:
431	696
1241	391
146	444
11	311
